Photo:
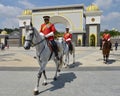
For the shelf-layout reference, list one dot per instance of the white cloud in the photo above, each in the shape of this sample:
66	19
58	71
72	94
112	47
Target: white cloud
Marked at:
10	23
105	4
8	16
9	11
26	4
112	20
111	16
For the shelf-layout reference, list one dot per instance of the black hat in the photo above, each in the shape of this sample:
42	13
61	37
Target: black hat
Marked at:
46	17
67	28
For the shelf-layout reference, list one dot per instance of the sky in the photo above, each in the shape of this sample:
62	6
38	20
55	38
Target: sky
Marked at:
11	9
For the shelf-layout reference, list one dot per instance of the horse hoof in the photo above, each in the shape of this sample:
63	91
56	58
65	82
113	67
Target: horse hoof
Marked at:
67	66
73	62
105	62
35	57
55	78
44	84
36	92
58	70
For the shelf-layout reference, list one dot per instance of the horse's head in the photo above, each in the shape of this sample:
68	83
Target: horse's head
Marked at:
29	33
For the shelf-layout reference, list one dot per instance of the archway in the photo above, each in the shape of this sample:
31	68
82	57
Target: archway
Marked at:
79	42
70	16
92	40
60	27
60	22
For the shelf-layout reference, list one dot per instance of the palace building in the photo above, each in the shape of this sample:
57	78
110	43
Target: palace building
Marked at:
84	23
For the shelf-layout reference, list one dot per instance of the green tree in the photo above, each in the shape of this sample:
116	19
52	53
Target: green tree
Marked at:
112	33
9	30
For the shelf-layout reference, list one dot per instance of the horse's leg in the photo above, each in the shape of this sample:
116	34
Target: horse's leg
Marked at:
104	57
36	91
45	78
60	64
67	60
42	68
107	56
73	56
57	66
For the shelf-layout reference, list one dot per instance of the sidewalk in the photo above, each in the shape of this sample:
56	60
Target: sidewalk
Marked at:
96	59
85	57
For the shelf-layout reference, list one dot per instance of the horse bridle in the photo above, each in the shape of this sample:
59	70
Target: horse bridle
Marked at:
32	38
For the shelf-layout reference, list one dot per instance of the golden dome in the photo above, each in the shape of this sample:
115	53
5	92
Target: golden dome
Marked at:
27	12
92	7
4	32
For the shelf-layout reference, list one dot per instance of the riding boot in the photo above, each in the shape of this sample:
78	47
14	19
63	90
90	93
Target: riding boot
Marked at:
55	49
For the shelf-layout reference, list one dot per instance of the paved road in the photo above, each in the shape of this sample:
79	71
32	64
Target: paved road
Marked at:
89	76
69	83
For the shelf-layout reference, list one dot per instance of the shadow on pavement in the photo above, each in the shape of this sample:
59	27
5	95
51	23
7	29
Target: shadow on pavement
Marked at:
62	79
76	64
111	61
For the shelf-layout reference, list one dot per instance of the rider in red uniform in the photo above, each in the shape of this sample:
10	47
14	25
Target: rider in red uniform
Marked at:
107	37
48	29
68	37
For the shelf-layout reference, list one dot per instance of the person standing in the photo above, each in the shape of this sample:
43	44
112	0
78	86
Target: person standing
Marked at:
116	45
48	29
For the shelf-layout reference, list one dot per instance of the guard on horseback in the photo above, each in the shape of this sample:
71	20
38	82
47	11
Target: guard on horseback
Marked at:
48	29
106	37
68	37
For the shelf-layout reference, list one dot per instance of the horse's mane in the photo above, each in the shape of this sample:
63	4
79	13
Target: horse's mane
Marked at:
36	33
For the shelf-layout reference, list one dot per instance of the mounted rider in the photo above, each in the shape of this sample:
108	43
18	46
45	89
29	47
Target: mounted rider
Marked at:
68	37
106	37
48	29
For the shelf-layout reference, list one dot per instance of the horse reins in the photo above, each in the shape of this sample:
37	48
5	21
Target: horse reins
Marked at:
33	45
37	43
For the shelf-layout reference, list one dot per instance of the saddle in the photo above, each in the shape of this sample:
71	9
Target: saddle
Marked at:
51	46
52	49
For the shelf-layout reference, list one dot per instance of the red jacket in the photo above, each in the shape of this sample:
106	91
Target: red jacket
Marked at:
67	37
47	28
106	36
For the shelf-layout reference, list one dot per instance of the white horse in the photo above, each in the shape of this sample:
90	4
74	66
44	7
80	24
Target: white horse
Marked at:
43	53
66	52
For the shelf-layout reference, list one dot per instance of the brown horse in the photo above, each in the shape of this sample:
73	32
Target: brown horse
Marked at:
106	50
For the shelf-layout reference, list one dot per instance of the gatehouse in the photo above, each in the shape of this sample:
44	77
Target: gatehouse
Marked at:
84	23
